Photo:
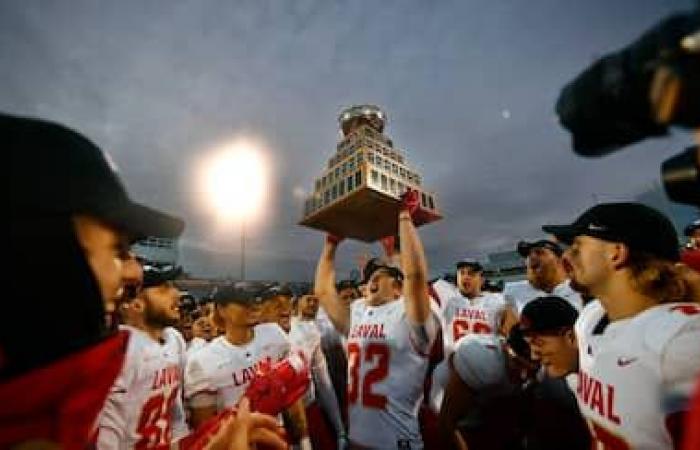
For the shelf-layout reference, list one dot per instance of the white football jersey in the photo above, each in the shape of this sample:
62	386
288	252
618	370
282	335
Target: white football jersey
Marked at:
329	335
519	293
636	373
305	338
462	316
195	344
387	363
220	372
144	409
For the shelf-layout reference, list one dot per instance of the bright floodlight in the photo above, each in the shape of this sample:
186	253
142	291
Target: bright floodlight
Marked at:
236	181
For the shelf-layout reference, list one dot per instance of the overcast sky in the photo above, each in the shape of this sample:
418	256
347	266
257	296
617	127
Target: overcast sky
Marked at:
468	86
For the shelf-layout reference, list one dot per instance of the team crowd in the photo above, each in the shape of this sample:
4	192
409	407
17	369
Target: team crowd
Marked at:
596	348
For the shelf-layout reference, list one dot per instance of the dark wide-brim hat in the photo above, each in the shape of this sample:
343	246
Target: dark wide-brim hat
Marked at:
638	226
55	170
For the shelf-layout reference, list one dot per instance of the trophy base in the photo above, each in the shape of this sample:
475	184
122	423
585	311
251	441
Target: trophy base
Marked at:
366	215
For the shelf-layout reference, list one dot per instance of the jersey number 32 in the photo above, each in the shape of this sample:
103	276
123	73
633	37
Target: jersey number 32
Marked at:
373	352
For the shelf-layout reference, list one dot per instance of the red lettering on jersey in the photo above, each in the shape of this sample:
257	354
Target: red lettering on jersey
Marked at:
368	331
584	387
597	398
590	391
471	314
611	405
688	310
605	440
246	375
165	377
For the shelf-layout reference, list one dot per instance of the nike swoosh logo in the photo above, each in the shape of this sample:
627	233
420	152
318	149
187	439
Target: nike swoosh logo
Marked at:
622	362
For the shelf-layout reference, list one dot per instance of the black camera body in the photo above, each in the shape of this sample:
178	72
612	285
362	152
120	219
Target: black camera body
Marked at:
639	92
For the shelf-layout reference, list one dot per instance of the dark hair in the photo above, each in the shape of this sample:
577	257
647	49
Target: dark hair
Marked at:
53	286
516	341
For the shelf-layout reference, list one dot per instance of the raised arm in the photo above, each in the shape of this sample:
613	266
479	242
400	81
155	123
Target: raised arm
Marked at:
324	287
413	263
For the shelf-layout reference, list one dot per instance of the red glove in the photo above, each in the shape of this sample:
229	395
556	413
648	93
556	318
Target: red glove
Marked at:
691	258
410	201
277	387
200	438
389	244
333	239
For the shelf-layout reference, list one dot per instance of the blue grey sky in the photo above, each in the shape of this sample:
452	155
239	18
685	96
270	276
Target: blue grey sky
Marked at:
469	88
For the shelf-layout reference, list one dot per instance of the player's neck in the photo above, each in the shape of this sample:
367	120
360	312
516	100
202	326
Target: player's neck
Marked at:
376	301
622	302
155	332
470	295
239	335
548	286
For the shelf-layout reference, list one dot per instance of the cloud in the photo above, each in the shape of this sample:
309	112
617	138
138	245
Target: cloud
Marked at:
160	83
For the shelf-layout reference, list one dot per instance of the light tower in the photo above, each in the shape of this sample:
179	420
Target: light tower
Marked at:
357	194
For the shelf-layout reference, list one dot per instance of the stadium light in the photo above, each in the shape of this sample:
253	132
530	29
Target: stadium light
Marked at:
236	181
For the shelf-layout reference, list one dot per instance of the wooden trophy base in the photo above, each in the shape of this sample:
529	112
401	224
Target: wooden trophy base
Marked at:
366	215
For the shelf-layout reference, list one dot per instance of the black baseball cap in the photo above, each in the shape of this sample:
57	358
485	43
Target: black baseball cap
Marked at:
524	247
638	226
692	226
74	177
242	293
154	275
547	313
375	264
277	290
470	262
345	284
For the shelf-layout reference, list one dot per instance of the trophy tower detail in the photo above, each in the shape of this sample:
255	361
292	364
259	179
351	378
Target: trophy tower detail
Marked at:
357	195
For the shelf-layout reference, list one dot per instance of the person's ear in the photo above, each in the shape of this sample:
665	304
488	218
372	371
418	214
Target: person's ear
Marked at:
138	304
217	317
618	254
398	287
570	337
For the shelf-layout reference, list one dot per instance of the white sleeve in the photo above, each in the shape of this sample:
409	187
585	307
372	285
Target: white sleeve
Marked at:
574	298
509	296
325	391
200	390
277	338
178	415
499	302
179	419
444	290
480	363
423	335
680	365
284	345
112	426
